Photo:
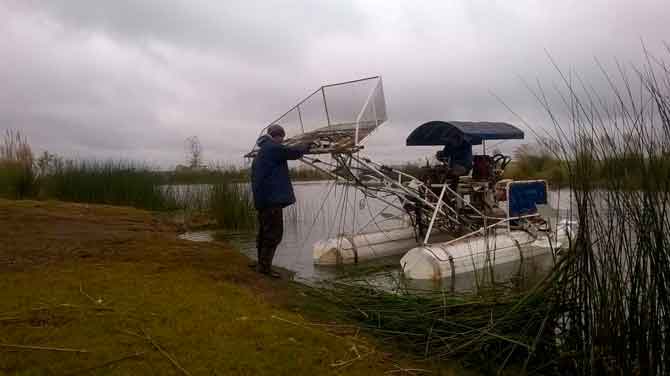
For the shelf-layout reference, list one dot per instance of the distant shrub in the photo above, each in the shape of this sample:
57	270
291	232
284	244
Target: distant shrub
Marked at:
17	175
536	161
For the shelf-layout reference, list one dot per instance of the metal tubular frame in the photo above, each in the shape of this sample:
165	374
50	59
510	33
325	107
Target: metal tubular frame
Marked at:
315	164
432	220
404	189
360	114
323	95
325	104
377	181
412	178
396	188
391	187
302	126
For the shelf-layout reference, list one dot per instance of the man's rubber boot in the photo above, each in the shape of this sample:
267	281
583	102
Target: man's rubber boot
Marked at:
267	271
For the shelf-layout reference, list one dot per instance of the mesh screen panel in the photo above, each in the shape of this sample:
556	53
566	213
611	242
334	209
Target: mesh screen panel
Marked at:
343	114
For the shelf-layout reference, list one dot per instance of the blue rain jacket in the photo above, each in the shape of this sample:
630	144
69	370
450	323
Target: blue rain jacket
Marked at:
460	155
270	181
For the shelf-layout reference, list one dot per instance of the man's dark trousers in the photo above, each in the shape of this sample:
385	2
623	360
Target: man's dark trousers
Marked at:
270	232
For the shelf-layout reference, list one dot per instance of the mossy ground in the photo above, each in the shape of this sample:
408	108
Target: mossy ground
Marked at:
116	283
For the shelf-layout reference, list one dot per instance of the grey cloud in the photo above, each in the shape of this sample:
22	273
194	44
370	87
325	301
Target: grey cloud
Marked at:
275	31
133	79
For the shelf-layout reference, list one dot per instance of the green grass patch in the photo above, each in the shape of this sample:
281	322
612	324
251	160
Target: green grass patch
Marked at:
119	313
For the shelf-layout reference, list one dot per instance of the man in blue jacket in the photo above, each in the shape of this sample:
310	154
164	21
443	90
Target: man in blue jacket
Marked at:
272	191
459	154
460	158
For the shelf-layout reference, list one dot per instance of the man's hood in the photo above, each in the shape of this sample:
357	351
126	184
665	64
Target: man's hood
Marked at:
263	139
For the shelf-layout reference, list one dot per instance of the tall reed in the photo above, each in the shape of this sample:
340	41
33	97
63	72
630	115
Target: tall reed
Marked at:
214	174
232	207
219	174
17	174
613	299
107	182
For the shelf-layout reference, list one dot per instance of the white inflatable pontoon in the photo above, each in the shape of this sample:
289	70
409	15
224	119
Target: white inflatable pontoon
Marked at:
471	252
351	249
522	233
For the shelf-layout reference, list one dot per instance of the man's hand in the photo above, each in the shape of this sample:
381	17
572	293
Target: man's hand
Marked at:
308	146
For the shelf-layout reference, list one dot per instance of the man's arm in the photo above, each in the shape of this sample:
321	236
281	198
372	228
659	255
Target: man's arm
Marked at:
293	152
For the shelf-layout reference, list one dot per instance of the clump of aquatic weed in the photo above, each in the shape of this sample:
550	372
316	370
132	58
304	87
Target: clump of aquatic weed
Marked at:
496	329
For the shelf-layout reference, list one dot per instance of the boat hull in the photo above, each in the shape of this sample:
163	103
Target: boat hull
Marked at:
442	260
347	249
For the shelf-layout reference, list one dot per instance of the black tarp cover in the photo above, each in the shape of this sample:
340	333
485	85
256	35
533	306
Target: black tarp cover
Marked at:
451	133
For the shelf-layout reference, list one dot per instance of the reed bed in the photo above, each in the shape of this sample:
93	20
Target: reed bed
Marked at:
132	184
215	174
222	173
228	204
17	180
195	198
614	316
536	161
17	175
120	183
499	329
232	207
107	182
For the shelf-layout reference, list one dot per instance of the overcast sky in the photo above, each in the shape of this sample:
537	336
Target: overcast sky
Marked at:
133	79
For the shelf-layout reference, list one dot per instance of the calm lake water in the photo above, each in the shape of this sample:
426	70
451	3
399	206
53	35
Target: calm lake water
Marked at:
324	210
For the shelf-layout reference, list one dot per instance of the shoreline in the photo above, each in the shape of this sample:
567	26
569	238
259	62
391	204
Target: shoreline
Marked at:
107	281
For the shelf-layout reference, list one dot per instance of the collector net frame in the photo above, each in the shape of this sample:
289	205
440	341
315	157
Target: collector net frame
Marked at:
335	117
